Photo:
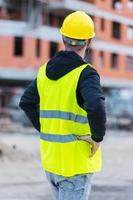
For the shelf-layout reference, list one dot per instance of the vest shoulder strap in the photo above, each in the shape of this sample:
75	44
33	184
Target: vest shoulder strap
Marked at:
91	66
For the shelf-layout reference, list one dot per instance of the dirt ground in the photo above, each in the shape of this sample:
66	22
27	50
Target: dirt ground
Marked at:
22	178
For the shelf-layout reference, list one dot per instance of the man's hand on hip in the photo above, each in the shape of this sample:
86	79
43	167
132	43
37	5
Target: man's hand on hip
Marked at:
95	145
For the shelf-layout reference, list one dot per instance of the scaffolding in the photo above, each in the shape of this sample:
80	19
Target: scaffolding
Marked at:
30	10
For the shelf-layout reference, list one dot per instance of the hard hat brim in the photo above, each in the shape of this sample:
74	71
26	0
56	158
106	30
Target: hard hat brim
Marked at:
75	37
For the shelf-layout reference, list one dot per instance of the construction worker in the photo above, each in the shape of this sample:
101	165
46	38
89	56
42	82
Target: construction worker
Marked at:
66	105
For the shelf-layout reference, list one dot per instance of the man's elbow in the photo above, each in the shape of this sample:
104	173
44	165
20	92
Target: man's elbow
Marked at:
97	121
22	105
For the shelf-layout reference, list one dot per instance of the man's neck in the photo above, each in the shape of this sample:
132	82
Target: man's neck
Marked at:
81	53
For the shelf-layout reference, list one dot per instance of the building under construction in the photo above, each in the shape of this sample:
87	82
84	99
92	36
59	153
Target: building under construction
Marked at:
29	36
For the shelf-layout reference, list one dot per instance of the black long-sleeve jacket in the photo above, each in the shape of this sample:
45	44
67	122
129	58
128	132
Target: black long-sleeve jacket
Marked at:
89	93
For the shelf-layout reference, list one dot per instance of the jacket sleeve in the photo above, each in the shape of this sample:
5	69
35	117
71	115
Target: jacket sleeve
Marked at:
92	100
29	103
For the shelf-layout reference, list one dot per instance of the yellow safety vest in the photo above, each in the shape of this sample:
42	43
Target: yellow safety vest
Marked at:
61	120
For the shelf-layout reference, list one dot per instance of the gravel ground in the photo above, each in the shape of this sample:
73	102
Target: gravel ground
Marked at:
21	176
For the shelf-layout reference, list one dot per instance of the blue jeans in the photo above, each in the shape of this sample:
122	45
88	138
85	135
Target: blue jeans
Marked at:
73	188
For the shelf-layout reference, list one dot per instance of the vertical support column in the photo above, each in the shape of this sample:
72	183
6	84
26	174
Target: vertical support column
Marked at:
109	3
123	33
6	42
125	7
45	51
122	63
97	24
108	28
1	52
107	61
95	58
29	52
61	46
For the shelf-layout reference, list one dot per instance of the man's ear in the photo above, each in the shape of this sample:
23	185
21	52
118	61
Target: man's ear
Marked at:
63	40
88	43
87	57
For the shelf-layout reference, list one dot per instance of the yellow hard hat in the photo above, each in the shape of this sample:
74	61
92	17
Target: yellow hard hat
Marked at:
78	25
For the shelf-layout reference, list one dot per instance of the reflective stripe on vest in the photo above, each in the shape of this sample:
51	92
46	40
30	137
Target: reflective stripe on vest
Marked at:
58	138
63	115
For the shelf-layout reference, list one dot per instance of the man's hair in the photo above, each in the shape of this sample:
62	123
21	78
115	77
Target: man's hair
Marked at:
74	44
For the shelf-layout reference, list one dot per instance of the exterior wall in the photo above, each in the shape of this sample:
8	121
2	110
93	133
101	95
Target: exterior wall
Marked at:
106	69
29	58
103	65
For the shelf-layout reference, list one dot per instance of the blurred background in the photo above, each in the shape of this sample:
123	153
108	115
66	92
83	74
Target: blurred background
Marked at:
29	36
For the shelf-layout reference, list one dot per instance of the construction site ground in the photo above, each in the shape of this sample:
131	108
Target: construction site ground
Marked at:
22	178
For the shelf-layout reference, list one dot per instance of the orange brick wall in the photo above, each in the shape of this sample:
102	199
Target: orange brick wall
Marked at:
106	35
29	59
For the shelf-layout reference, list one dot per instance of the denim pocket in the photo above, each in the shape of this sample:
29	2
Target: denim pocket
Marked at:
74	183
66	185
